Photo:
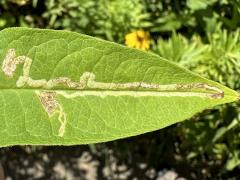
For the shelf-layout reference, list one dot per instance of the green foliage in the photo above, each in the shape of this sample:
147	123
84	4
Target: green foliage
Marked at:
191	16
110	19
195	5
180	49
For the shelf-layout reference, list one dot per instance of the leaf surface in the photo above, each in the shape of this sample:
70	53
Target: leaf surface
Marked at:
64	88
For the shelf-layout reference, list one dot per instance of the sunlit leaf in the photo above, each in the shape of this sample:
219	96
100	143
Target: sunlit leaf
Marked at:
64	88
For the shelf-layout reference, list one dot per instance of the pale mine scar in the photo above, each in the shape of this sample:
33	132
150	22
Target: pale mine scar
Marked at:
51	106
88	81
49	102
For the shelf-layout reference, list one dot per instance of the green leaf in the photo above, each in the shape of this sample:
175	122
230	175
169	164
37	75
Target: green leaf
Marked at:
63	88
199	4
233	161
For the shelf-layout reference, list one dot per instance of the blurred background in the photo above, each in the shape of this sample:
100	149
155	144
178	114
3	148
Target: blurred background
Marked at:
201	35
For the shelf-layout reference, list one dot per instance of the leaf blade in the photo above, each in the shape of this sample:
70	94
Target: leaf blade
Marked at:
51	107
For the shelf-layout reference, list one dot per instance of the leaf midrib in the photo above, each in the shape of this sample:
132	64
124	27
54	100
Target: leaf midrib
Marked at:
105	90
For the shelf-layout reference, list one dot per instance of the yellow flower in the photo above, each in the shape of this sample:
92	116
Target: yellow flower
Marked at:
138	39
